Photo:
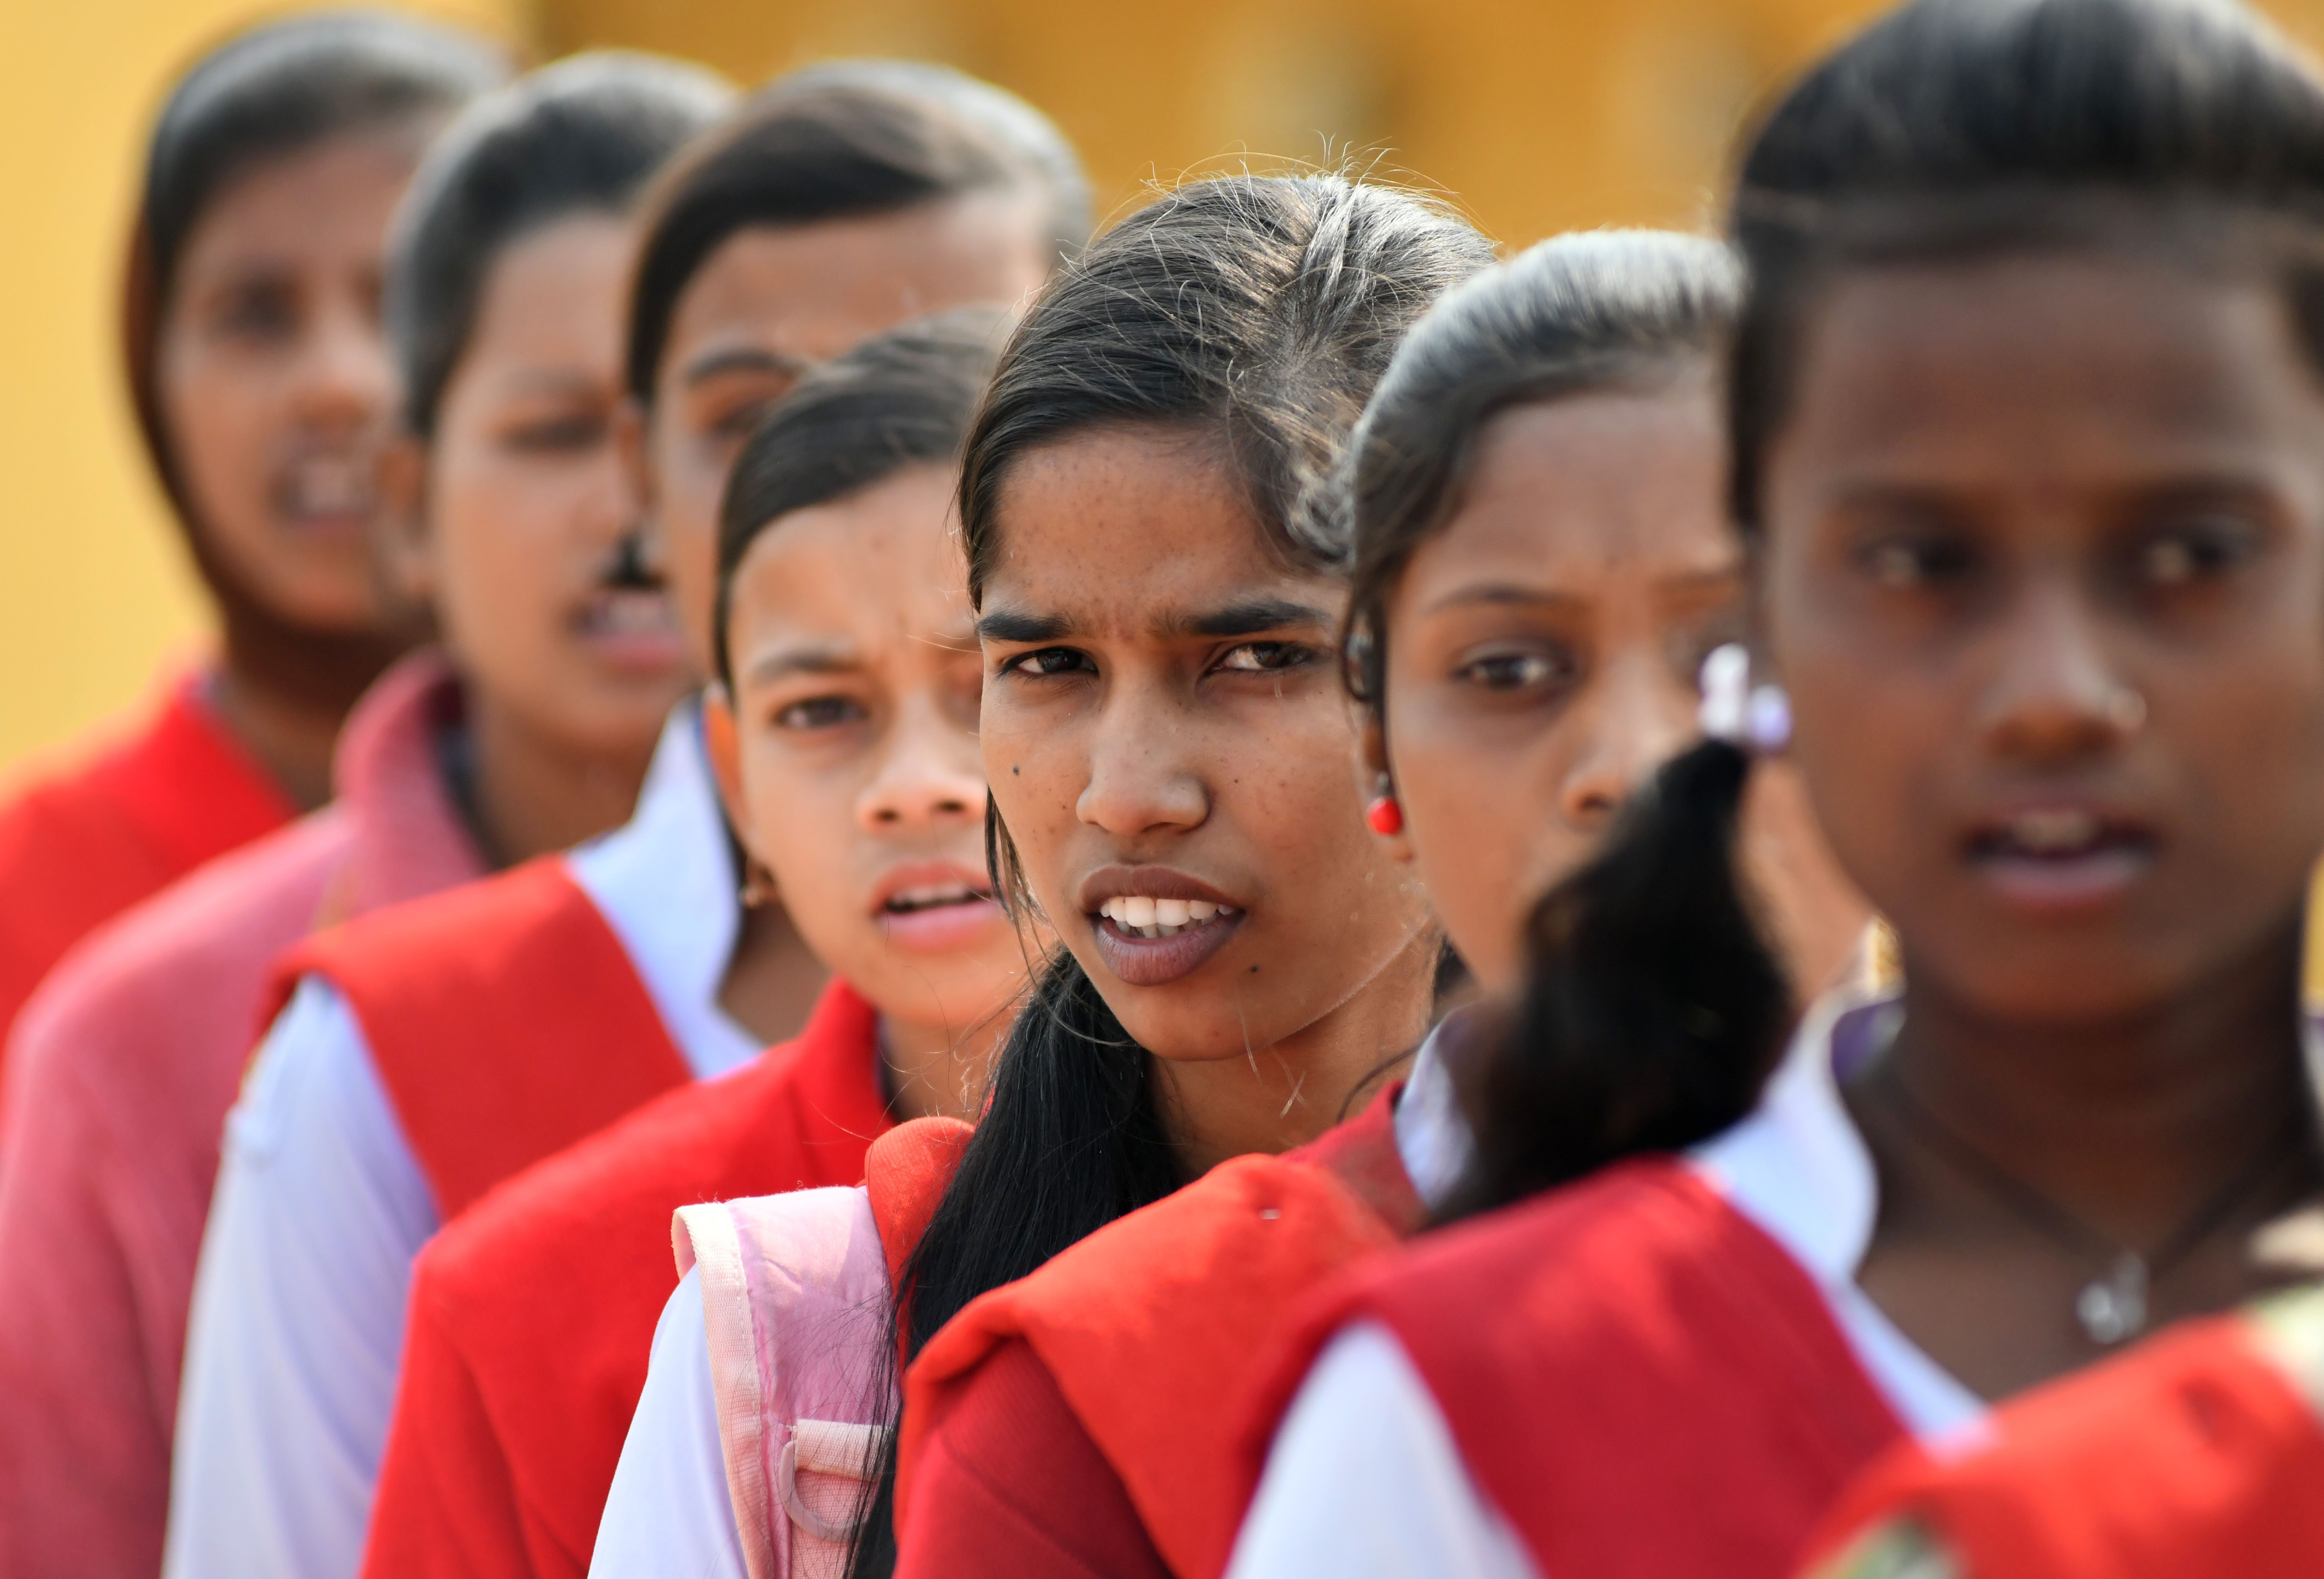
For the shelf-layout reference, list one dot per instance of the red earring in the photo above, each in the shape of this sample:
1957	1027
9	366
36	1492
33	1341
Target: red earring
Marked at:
1384	816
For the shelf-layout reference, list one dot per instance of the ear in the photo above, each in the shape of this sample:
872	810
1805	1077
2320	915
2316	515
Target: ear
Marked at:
722	743
1371	764
405	542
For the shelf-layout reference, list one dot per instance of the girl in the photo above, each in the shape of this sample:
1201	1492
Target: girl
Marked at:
1161	728
132	1052
262	389
477	1032
2025	419
1541	566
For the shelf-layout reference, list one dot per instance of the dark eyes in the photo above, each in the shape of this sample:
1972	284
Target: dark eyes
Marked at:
1267	657
2199	551
1513	671
260	310
558	434
1244	657
821	713
1048	660
1901	564
2175	555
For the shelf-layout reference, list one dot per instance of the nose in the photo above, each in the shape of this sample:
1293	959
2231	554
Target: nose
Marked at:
347	378
1637	717
930	778
2055	695
1139	781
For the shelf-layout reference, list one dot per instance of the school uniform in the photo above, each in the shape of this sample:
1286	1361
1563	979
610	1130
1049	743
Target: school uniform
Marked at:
83	840
1052	1423
2200	1452
532	1317
123	1065
1666	1369
426	1053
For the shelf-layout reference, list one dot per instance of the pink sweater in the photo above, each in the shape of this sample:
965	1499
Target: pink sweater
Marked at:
120	1073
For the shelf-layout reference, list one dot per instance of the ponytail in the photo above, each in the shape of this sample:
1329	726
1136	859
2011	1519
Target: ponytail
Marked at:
1654	1008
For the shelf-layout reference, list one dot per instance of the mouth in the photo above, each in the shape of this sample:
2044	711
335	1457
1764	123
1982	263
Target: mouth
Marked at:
1155	927
2058	858
633	627
328	491
931	911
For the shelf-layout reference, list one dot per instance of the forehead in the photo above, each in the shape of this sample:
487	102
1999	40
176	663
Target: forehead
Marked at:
333	196
2049	365
556	292
878	565
812	292
1118	528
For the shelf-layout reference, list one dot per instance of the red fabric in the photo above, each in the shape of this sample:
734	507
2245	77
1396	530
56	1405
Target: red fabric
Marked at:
906	1176
2191	1455
81	843
505	1018
1146	1329
1638	1377
532	1315
1013	1486
128	1058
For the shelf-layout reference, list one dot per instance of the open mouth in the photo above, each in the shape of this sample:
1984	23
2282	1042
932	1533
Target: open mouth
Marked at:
937	914
1135	915
326	490
1148	940
2053	856
634	625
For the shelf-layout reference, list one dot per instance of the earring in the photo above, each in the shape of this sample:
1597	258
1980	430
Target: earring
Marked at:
758	885
1384	816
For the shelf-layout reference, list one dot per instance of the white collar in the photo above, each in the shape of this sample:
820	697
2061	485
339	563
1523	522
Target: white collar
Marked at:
1797	1168
667	885
1432	1139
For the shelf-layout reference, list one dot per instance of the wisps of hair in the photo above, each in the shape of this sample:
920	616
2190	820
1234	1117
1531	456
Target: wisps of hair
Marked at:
1257	311
581	136
1573	315
900	399
840	141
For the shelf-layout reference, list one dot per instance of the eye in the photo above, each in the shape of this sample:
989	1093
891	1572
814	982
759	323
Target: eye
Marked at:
1265	657
1910	563
2197	550
738	423
821	713
1514	671
558	434
260	310
1044	661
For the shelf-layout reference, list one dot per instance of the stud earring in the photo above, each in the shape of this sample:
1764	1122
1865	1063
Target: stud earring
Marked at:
758	885
1384	816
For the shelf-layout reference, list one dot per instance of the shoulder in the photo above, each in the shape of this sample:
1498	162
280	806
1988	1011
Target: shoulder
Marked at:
447	930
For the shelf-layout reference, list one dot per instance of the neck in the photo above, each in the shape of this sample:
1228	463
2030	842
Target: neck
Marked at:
531	794
284	693
1283	1095
939	1070
773	977
2125	1122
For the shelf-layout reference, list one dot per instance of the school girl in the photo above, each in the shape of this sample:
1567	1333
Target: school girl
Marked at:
1541	565
1170	761
2199	1452
512	513
2025	428
844	733
261	389
432	1050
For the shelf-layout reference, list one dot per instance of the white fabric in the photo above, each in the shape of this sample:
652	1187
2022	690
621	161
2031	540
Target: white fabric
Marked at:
1432	1135
298	1318
668	1512
1366	1421
1796	1166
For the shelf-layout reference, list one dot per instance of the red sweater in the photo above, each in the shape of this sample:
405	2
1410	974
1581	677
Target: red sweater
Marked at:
532	1315
128	1058
1076	1422
1639	1379
2200	1453
80	844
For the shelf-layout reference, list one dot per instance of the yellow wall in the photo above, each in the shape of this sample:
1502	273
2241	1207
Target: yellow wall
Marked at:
1538	114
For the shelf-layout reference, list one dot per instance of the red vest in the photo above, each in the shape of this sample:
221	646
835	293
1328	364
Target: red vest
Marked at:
1640	1380
2194	1455
1147	1324
532	1317
505	1018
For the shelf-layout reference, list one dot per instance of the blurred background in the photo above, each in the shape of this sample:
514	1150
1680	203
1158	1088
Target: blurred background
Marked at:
1536	116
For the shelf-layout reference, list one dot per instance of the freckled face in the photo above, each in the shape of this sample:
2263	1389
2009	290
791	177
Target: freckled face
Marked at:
1168	743
2044	576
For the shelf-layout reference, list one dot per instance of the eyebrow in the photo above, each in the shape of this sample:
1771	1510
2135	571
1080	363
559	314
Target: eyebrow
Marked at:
1013	625
785	662
743	359
1249	618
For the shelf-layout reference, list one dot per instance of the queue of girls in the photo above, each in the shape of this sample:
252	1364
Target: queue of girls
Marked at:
1632	909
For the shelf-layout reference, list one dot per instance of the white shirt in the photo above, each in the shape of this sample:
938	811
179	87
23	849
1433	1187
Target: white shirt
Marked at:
670	1511
1796	1166
297	1323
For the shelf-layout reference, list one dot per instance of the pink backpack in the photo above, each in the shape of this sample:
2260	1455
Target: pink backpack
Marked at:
796	1296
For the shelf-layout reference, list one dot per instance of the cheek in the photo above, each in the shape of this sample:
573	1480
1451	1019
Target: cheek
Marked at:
218	425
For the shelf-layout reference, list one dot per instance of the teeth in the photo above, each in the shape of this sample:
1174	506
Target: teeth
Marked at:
921	899
633	613
1153	917
327	487
2066	829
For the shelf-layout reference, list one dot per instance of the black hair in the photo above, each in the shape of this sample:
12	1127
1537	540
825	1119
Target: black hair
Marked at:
900	399
273	91
580	136
1947	131
1598	310
1259	311
846	140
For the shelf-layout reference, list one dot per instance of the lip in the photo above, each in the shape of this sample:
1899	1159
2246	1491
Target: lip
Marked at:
1154	962
2061	886
343	480
631	628
944	928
